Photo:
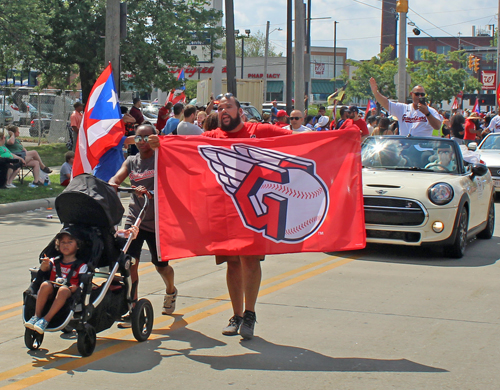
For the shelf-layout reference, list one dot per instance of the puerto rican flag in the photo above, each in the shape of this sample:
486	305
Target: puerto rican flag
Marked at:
454	106
102	126
370	106
476	107
178	95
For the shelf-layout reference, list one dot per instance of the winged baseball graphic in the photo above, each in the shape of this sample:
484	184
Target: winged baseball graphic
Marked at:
277	194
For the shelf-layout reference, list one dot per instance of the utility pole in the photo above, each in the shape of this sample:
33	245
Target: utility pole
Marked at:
230	48
266	53
112	43
299	55
335	53
289	67
402	8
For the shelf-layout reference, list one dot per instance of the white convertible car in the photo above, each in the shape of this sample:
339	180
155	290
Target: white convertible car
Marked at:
490	154
420	191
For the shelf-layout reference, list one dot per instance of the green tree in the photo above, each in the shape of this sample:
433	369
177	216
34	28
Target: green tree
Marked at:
22	24
158	35
255	46
439	78
380	67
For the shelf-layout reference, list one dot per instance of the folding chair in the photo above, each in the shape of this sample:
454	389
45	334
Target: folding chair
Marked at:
23	172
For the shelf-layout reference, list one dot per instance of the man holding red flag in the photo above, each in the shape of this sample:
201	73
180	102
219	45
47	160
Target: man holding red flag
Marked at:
252	206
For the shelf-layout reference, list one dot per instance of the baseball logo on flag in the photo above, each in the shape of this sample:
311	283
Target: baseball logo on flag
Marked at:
276	194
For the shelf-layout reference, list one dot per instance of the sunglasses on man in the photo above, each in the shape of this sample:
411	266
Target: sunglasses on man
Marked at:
419	94
295	118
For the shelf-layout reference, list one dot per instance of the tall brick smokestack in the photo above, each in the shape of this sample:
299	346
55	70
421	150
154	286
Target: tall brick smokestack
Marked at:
389	26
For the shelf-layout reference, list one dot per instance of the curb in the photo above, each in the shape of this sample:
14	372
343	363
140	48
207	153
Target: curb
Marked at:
27	205
19	207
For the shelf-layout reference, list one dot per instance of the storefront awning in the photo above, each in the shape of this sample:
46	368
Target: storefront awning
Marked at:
322	87
274	86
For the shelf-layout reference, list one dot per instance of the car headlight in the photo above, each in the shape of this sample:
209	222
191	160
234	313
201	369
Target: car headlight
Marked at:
440	193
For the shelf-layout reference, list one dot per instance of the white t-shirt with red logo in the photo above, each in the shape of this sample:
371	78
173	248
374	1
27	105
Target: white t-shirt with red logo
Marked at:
494	125
412	121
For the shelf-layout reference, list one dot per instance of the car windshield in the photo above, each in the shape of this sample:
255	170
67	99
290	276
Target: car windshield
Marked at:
491	142
252	112
409	154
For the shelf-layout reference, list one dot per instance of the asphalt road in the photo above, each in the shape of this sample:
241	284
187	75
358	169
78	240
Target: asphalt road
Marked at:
384	317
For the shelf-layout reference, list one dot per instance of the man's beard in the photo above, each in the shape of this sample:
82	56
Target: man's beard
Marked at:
233	124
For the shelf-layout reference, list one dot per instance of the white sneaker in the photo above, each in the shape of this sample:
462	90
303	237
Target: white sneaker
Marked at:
10	186
169	303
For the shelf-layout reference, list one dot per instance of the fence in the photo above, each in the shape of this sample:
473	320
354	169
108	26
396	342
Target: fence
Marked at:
43	115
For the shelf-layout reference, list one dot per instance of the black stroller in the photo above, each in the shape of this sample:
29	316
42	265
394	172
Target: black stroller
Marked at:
91	208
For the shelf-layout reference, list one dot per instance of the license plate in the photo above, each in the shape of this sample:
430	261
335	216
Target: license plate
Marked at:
496	183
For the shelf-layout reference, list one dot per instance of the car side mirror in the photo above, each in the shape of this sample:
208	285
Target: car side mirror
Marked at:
478	170
472	146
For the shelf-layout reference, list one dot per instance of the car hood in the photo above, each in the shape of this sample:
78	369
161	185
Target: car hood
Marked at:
490	157
401	183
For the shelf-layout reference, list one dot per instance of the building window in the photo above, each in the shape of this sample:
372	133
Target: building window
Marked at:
443	49
418	55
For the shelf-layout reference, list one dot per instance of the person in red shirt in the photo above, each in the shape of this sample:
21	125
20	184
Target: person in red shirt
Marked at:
282	119
135	111
471	127
356	120
163	114
243	272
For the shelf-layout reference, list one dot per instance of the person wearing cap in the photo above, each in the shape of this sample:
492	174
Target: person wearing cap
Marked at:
274	111
296	122
66	271
322	123
281	118
417	118
355	120
472	128
163	115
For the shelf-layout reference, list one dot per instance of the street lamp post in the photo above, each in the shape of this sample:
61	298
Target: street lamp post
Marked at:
335	53
242	46
266	54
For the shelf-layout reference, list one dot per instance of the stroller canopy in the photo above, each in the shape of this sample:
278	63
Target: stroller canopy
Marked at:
89	201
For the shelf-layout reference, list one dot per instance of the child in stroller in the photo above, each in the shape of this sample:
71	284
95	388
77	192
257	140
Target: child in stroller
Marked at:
64	279
89	209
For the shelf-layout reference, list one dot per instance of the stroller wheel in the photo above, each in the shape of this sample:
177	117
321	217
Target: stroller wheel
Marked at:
32	339
86	340
142	319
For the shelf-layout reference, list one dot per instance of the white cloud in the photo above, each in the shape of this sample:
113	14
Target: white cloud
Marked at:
359	24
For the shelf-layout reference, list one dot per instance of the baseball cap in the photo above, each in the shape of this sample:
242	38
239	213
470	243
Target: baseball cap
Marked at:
353	109
72	231
322	121
281	113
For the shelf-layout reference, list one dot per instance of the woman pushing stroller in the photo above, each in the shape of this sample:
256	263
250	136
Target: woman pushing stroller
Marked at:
63	276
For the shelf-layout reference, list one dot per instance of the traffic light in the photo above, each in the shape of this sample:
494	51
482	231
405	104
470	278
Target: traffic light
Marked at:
402	6
471	61
476	64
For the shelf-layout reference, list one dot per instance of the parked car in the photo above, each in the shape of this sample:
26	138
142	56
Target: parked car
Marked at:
489	149
6	117
421	191
251	112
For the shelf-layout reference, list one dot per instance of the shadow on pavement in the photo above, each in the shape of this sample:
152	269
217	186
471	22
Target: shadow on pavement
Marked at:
277	357
479	253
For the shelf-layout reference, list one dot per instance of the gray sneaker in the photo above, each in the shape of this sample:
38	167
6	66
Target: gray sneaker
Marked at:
233	327
41	325
31	323
126	322
249	320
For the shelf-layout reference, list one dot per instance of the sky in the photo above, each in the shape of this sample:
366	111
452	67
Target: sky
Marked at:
359	21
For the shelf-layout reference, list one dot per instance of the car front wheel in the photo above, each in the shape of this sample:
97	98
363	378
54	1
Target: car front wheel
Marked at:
457	249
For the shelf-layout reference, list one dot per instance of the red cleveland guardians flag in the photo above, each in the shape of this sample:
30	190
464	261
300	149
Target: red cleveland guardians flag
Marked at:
296	193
